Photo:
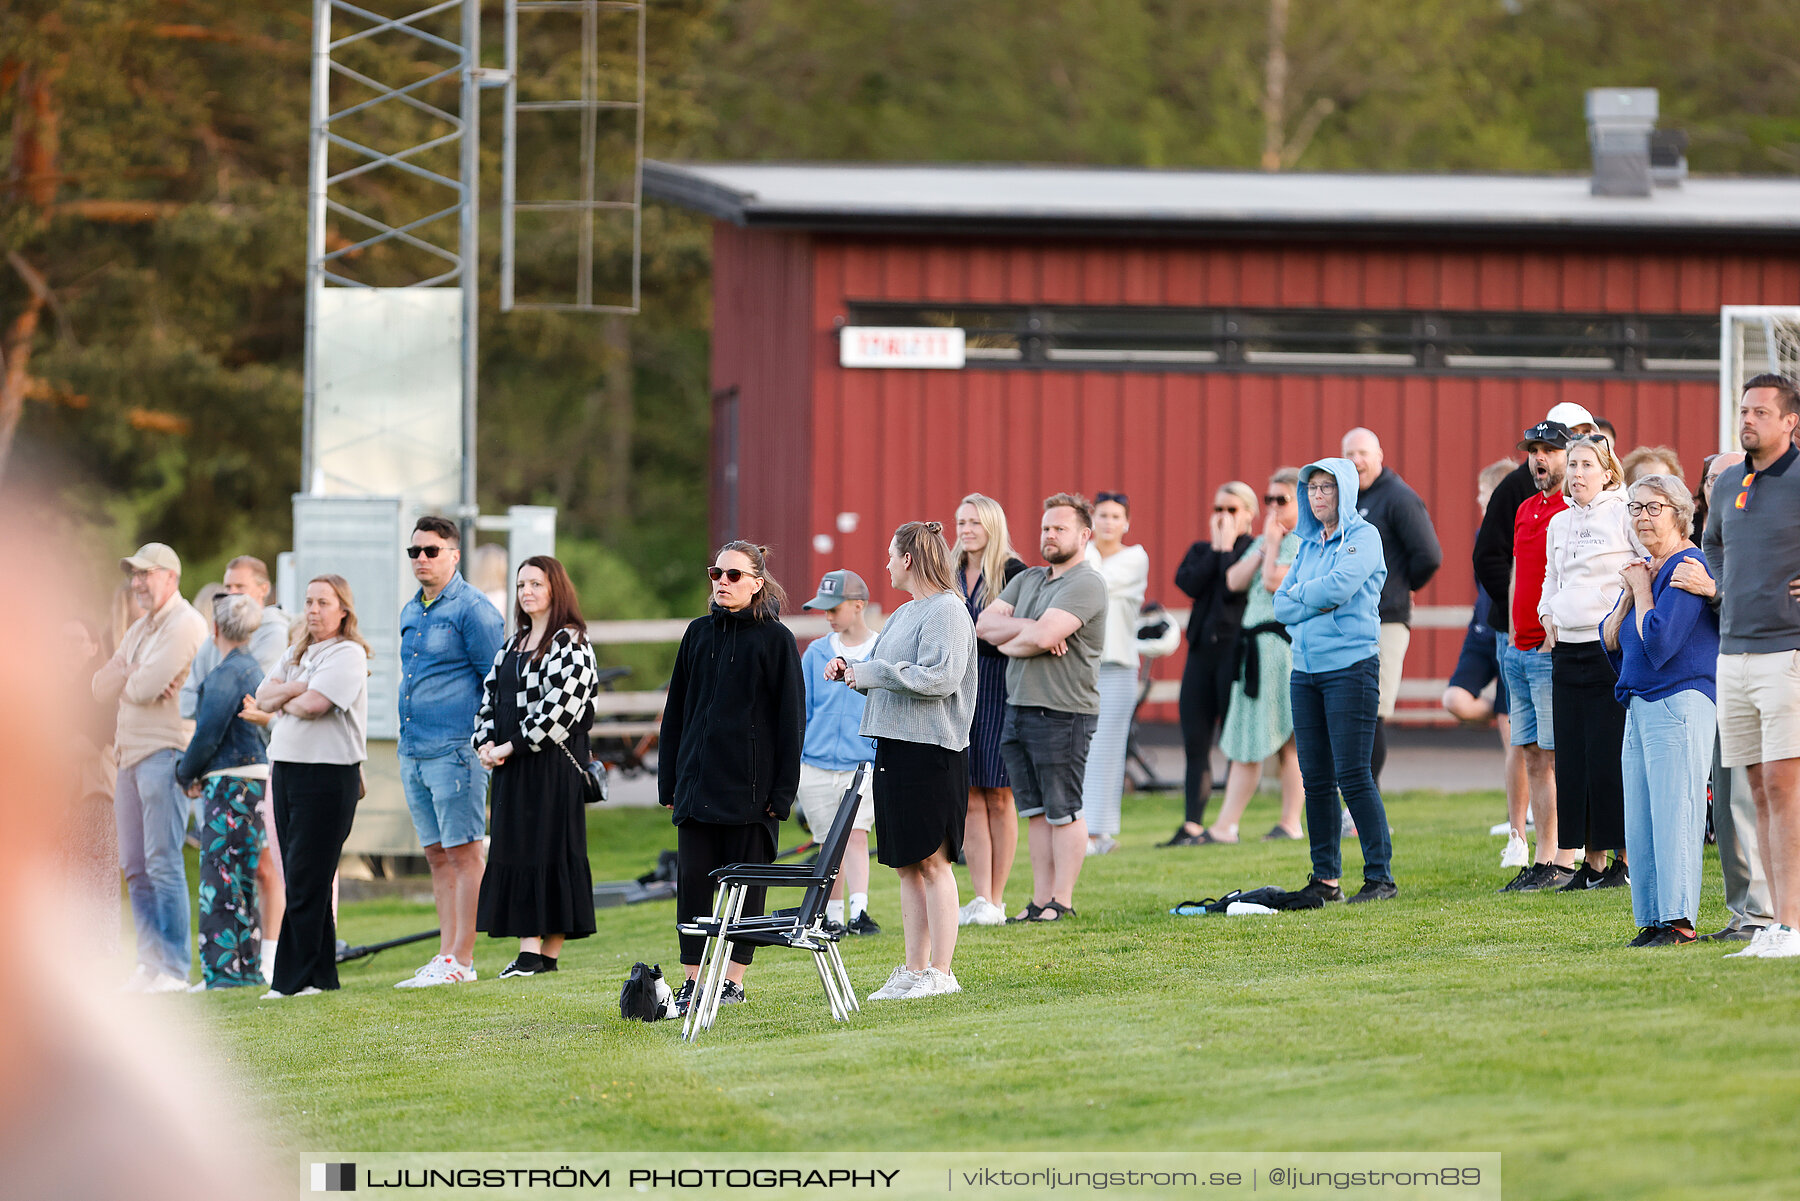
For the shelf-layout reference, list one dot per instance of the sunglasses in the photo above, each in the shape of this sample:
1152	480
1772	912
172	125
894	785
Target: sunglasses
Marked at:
1226	509
1273	499
430	552
730	574
1101	498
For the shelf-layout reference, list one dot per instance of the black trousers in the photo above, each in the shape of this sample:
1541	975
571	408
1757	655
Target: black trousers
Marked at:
314	806
1205	693
1590	735
700	849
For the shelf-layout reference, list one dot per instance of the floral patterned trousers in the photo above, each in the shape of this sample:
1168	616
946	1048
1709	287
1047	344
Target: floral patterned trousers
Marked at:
231	844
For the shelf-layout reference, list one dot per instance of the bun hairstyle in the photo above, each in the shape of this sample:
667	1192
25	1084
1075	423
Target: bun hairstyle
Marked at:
769	600
923	542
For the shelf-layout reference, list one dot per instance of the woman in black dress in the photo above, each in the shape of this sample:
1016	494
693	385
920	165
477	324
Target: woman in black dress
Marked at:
986	563
729	752
532	733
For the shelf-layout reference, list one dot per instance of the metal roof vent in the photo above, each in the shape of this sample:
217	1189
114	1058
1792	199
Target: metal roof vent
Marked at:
1619	124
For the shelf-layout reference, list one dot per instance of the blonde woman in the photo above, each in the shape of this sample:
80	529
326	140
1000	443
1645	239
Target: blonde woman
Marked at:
986	563
1589	544
1126	570
319	694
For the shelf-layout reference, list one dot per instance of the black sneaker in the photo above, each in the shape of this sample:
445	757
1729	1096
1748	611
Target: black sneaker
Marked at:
1672	936
1527	875
1376	890
863	924
1549	878
1645	936
684	997
733	994
1328	893
529	963
1732	934
1616	875
832	928
1581	881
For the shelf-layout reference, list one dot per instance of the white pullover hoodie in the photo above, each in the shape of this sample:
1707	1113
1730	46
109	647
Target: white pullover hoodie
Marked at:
1588	545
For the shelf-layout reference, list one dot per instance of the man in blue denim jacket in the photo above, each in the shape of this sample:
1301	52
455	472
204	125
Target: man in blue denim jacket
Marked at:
449	635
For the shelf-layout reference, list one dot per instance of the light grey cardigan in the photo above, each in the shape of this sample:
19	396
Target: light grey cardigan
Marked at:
920	676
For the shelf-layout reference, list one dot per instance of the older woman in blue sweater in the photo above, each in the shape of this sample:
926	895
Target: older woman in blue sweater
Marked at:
1664	644
1330	603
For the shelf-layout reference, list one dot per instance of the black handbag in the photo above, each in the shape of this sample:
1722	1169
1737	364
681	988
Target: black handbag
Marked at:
593	776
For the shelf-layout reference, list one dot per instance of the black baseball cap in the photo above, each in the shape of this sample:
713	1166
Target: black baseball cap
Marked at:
836	588
1553	434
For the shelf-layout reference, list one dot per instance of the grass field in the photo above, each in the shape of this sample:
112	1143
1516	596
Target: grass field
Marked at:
1449	1019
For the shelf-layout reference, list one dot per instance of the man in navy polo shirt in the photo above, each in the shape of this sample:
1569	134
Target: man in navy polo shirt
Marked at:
449	636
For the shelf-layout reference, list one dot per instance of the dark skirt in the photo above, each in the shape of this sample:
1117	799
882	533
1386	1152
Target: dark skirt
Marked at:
537	880
986	769
921	801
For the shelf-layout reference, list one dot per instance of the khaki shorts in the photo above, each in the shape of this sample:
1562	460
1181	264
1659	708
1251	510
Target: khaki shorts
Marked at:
1395	638
1759	708
821	792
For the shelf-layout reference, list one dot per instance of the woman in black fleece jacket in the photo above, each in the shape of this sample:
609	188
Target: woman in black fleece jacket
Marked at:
729	752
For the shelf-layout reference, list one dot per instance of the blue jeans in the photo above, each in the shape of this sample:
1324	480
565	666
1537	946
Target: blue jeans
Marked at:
151	812
447	796
1526	675
1666	758
1334	732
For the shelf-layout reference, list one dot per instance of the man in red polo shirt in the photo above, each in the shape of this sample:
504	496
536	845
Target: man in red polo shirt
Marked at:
1526	661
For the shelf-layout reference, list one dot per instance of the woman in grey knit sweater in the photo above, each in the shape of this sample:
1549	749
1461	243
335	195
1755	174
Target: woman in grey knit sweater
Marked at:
920	680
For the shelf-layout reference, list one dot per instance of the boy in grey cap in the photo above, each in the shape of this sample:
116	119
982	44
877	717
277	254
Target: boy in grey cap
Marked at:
833	747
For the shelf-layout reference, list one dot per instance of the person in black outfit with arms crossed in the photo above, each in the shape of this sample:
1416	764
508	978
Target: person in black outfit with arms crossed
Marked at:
730	746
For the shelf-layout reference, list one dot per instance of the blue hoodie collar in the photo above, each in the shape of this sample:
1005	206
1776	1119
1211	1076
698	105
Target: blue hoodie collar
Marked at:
1311	528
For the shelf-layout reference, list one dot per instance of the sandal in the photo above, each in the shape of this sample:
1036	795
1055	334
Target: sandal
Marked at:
1030	914
1205	839
1061	909
1182	838
1279	834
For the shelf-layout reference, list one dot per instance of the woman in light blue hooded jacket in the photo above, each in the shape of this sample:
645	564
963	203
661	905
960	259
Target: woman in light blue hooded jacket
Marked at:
1330	604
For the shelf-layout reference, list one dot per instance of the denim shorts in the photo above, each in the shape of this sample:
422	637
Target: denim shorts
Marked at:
447	795
1527	677
1045	751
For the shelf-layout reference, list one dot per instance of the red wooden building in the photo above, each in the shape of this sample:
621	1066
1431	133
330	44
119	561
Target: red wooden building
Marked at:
1159	333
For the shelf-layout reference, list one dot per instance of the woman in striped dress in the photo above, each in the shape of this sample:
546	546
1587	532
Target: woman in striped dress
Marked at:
985	563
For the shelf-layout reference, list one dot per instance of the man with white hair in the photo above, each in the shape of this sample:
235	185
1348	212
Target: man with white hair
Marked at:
144	678
1409	544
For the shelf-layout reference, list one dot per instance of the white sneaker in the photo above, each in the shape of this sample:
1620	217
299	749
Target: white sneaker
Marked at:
1517	854
966	915
933	983
139	980
898	985
458	973
1102	844
429	974
163	982
989	914
1754	948
1783	943
308	991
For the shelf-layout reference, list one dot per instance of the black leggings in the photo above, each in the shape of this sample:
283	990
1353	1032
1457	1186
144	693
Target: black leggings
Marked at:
314	806
1205	692
701	848
1590	735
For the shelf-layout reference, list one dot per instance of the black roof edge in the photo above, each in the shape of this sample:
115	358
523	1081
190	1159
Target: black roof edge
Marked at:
678	185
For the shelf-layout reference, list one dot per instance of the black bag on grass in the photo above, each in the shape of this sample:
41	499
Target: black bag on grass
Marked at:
646	996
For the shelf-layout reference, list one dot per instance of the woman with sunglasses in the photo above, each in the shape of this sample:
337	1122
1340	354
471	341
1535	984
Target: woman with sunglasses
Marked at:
1589	544
1212	634
730	745
1260	719
1126	570
1664	643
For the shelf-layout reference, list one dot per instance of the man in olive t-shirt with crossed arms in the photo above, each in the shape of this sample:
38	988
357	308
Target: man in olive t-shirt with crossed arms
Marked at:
1051	621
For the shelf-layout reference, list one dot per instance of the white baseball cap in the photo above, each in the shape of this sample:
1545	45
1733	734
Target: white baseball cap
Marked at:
1570	414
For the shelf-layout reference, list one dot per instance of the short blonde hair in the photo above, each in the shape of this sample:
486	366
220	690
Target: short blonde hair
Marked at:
1602	447
1244	492
1653	454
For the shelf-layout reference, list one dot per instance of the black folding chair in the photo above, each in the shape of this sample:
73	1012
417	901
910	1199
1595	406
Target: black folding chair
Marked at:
802	928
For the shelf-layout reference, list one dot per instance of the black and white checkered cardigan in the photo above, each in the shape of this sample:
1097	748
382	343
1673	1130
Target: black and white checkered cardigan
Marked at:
556	693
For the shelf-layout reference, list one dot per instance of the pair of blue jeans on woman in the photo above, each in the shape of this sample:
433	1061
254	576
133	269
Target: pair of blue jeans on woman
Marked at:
1334	732
1666	758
